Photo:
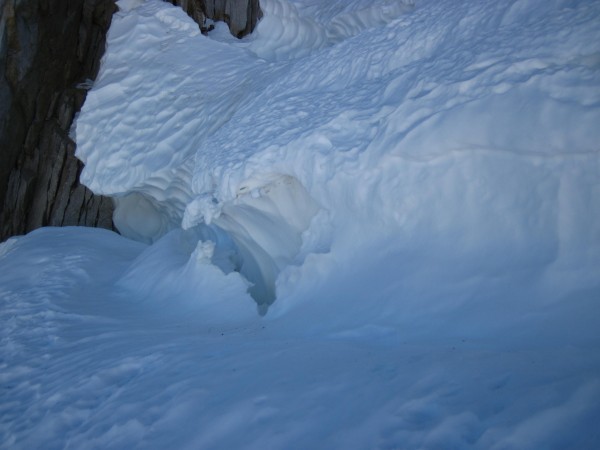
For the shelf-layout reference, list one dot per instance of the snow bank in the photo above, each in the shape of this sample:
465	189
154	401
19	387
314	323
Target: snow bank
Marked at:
159	94
461	132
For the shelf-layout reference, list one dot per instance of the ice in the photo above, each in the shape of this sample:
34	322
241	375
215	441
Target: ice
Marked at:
369	224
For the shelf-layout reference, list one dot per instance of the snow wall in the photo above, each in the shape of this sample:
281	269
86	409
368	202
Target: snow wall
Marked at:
390	157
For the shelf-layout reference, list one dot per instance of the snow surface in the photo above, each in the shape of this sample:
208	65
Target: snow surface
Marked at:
410	191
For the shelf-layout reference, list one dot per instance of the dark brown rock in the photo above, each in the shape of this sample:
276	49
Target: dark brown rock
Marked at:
46	49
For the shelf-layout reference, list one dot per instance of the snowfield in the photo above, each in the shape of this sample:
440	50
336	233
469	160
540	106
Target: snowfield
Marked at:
370	224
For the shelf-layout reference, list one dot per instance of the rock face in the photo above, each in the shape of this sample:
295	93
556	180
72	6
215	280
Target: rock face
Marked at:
240	15
47	48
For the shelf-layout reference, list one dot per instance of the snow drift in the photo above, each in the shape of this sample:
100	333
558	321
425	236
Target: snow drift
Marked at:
463	132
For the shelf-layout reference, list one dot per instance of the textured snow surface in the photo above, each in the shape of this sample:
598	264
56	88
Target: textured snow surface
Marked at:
410	190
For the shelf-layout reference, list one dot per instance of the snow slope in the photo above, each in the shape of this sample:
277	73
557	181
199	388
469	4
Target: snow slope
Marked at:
410	191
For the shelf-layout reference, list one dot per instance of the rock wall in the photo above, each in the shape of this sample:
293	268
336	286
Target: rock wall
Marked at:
240	15
47	49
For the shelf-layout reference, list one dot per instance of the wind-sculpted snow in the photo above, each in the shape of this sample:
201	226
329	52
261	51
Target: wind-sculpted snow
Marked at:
285	33
409	190
151	106
459	130
352	23
468	131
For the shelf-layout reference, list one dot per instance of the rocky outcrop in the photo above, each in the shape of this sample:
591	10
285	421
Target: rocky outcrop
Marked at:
240	15
47	49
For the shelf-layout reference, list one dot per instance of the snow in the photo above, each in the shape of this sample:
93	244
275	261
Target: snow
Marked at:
370	224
